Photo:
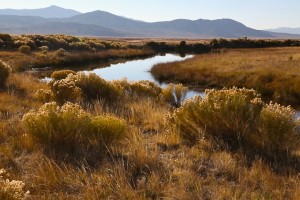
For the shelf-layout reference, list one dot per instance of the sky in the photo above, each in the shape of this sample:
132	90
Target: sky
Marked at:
259	14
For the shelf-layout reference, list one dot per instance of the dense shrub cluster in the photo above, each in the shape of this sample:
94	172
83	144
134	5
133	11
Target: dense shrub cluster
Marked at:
56	42
70	86
5	71
69	130
239	118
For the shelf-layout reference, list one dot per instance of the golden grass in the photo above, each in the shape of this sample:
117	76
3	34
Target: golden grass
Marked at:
273	72
22	62
152	163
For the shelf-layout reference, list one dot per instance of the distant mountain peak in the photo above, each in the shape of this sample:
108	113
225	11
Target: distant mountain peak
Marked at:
47	12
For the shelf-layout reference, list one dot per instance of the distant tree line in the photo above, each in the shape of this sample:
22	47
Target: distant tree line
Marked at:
26	43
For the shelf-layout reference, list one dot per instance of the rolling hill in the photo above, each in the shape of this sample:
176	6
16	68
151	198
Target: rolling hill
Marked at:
56	20
49	12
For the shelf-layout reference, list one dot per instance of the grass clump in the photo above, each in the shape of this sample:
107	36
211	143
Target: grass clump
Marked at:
5	71
174	94
238	118
69	130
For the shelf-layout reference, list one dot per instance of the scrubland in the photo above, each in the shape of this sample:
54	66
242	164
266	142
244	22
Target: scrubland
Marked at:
134	140
82	137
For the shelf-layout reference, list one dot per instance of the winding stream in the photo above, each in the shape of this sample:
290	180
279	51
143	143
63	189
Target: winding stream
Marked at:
138	70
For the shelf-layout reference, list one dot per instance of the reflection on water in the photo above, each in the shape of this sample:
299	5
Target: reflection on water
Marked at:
136	70
139	70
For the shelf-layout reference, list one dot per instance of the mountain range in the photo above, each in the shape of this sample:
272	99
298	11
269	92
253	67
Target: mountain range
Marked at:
56	20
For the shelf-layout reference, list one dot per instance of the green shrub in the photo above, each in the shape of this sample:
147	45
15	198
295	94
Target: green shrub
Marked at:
69	130
25	49
238	118
94	87
174	94
5	71
61	74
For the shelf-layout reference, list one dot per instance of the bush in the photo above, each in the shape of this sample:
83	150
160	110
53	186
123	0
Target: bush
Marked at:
174	94
65	90
238	118
11	190
94	87
138	88
62	74
61	52
69	130
277	128
44	95
225	114
25	49
5	71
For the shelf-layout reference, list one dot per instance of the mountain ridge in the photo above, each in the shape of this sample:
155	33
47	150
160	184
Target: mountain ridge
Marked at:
105	24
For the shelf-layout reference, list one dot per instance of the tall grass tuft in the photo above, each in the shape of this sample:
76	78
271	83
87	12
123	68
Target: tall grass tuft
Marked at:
174	94
70	131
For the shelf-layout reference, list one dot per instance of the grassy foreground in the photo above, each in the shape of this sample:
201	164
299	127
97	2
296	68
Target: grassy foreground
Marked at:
81	137
273	72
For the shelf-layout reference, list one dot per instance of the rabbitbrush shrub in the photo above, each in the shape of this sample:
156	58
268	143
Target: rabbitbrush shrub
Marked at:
61	74
5	71
239	118
65	90
225	114
143	88
94	87
278	129
69	130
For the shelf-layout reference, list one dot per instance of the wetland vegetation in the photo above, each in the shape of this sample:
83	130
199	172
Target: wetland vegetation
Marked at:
83	137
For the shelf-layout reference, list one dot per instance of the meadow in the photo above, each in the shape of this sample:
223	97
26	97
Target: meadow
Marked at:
273	72
82	137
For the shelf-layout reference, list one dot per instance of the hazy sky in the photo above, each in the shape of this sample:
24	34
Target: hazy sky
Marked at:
259	14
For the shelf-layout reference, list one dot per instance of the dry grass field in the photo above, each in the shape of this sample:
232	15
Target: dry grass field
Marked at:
273	72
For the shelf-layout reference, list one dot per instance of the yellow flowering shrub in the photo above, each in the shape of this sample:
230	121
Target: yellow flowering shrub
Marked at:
94	87
11	189
61	74
69	130
138	88
239	118
278	129
65	90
